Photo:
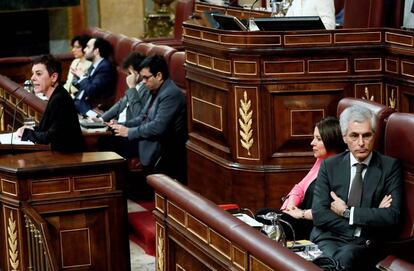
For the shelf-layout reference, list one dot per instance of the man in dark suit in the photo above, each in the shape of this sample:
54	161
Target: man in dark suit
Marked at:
160	130
354	212
97	85
135	97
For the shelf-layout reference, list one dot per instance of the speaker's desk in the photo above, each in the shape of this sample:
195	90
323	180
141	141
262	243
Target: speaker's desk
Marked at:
79	196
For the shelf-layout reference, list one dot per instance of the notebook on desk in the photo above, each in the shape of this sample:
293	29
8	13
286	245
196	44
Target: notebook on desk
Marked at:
7	139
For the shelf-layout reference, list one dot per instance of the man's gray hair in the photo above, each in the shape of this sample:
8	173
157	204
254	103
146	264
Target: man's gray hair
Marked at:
356	113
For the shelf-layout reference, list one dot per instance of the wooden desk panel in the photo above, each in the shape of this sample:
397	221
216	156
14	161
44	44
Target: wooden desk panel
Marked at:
79	195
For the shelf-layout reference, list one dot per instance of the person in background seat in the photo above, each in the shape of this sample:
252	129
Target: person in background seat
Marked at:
96	85
325	9
349	221
160	130
59	125
78	44
135	97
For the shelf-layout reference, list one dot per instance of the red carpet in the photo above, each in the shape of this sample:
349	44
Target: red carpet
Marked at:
142	225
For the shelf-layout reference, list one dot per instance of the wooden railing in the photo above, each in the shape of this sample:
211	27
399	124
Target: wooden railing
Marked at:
39	247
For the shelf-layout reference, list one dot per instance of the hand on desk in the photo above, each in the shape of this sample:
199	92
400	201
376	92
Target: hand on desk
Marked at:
119	130
20	131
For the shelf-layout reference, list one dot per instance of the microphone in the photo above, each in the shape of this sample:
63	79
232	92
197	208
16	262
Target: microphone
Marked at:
14	122
28	86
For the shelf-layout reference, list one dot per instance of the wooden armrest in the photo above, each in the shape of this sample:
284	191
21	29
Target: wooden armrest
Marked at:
392	263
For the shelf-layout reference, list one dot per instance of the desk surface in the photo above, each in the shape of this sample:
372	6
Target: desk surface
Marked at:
44	161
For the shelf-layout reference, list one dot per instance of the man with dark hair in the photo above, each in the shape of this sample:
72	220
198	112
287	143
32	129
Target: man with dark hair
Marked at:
96	86
59	125
161	128
132	103
358	196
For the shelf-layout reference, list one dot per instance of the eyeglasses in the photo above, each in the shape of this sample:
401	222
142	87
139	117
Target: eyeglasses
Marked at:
146	77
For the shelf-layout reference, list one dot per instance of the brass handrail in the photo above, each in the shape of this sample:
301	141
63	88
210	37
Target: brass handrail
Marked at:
41	255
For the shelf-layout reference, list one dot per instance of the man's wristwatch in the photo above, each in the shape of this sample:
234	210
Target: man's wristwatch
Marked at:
346	213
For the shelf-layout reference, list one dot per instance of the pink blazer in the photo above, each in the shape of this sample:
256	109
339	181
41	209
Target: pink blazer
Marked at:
298	192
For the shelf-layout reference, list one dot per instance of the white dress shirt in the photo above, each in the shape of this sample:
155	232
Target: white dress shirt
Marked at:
322	8
353	162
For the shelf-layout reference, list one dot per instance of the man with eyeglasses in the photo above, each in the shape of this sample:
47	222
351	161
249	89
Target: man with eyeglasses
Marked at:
160	130
358	196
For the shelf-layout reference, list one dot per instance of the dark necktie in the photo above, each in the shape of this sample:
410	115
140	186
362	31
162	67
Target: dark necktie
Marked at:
355	194
90	70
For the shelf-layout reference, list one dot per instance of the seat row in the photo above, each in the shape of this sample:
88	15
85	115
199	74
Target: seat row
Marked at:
122	45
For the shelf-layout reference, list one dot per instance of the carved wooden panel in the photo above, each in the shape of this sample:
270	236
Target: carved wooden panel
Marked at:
391	65
284	67
399	39
159	203
392	96
78	238
309	39
295	114
50	187
369	91
83	257
256	265
328	65
247	123
367	37
367	64
160	253
9	187
93	183
12	238
176	213
407	68
407	99
198	228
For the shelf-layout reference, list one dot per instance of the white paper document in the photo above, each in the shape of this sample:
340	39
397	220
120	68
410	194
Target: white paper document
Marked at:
248	220
7	139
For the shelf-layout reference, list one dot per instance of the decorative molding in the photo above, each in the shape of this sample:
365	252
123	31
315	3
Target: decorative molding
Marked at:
366	95
245	123
399	39
362	37
392	94
160	253
12	241
196	115
309	39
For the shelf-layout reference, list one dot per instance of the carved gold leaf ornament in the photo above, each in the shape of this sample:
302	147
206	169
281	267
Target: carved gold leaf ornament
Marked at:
160	250
12	239
392	100
366	97
245	123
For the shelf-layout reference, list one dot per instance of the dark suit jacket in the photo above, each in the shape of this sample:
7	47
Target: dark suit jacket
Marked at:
383	177
59	125
98	88
161	124
136	100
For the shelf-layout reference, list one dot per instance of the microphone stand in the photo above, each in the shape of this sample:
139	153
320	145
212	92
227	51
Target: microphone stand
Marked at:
13	123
